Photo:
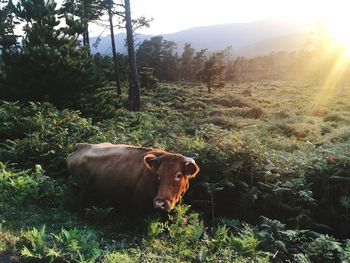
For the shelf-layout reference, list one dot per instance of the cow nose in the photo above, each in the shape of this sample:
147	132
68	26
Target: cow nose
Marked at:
160	204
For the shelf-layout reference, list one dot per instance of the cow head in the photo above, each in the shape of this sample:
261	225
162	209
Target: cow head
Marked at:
173	172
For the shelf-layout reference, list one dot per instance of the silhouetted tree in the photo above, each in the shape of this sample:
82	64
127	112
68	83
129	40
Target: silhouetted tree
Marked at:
199	60
211	71
187	62
8	39
230	72
134	86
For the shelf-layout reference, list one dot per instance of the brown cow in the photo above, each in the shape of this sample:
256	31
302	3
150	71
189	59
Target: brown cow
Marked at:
128	176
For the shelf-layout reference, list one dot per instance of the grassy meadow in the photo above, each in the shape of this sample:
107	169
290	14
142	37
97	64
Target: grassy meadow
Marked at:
274	184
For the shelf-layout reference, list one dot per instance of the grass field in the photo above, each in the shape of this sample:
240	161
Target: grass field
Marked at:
274	182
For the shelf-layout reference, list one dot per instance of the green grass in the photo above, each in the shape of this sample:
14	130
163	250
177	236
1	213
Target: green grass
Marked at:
273	185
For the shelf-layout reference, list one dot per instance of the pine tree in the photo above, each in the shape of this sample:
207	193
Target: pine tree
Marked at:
211	71
87	11
48	65
199	60
158	54
187	62
8	39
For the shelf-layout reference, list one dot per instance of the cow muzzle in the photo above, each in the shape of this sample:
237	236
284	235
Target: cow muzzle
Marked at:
162	204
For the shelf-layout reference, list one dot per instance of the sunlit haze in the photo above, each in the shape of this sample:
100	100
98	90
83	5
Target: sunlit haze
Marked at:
171	16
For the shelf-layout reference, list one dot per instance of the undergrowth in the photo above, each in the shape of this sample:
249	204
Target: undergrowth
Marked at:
274	182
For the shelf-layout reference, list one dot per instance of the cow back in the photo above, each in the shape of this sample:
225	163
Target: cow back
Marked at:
115	173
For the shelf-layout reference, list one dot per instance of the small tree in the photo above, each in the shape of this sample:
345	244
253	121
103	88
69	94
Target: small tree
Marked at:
199	60
211	71
8	39
187	62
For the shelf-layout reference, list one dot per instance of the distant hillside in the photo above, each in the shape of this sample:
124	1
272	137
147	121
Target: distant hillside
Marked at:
254	38
282	43
104	46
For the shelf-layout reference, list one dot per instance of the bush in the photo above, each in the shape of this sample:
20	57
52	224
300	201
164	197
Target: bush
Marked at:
147	78
45	136
57	76
99	105
183	237
323	249
23	187
67	246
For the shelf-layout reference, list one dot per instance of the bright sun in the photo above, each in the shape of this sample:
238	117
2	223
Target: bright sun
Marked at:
338	30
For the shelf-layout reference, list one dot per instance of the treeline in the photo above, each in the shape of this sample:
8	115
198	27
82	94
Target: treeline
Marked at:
159	60
315	63
168	65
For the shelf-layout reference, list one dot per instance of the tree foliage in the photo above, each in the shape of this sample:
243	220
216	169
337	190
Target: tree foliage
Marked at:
8	39
211	71
158	53
86	11
187	61
48	65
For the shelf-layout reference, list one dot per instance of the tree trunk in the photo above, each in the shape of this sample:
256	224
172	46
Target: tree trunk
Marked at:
87	37
209	88
209	85
114	51
134	86
84	39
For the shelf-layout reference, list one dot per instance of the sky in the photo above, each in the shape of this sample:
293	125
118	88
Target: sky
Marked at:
172	16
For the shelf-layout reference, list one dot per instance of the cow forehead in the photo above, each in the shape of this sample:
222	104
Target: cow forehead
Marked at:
173	158
172	162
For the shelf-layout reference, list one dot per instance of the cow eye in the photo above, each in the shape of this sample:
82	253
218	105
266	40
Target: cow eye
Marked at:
178	176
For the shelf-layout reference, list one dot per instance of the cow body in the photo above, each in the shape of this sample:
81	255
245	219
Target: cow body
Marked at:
130	177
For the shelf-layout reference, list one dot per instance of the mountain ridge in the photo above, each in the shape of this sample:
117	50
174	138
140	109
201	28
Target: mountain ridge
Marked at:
243	37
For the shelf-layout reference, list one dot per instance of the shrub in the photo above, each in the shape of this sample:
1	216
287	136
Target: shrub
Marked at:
323	249
184	237
67	246
7	240
99	105
22	187
33	244
46	137
147	78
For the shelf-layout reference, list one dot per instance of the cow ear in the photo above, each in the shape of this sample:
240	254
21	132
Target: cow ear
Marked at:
191	169
151	161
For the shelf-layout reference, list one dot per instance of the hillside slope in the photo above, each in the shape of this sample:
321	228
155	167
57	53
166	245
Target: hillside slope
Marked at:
259	35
